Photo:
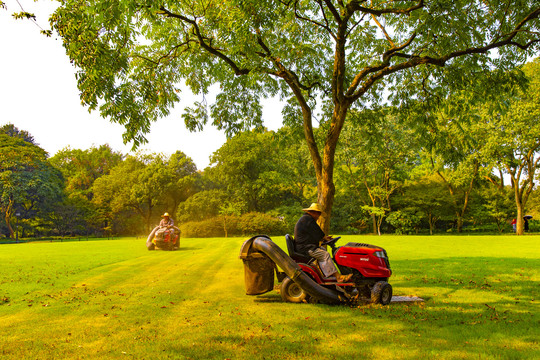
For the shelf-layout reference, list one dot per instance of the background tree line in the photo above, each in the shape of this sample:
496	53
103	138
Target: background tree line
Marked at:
463	162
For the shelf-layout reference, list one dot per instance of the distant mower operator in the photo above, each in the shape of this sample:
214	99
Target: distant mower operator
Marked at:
165	236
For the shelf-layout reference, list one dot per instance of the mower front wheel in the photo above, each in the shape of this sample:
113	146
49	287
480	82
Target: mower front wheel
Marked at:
381	293
291	292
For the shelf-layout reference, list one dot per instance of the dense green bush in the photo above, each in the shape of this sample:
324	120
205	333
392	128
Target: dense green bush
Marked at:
405	222
201	206
254	223
205	228
288	214
248	224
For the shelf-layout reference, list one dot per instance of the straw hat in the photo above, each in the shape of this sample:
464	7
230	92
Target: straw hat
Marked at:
314	207
165	215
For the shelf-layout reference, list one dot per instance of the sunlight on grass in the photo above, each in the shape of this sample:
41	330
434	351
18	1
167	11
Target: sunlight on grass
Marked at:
115	299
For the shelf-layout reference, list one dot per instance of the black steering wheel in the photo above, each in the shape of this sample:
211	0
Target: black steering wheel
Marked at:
331	242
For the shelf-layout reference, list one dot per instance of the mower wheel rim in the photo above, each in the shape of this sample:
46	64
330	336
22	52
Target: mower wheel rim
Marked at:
386	295
295	290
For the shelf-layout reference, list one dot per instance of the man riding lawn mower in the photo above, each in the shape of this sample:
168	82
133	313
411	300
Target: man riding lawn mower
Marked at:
309	274
165	236
308	238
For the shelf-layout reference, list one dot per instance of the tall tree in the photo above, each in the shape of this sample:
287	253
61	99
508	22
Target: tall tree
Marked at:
376	154
245	167
332	55
452	147
13	131
426	195
133	185
82	167
143	183
514	139
453	134
202	205
182	172
28	183
495	204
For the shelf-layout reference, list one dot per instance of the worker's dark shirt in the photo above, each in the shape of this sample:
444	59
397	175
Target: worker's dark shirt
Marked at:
307	234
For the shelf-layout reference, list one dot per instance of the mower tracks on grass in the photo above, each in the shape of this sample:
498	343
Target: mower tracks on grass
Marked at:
117	300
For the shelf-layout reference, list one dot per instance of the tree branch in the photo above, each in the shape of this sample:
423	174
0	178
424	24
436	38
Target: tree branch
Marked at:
355	6
164	56
390	53
355	24
301	17
201	41
296	87
282	72
384	68
383	30
385	64
332	9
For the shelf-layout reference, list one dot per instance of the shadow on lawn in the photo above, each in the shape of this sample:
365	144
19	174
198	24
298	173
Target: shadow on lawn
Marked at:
483	278
270	297
507	279
473	305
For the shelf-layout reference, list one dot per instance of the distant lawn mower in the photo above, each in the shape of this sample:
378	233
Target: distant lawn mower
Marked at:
162	238
302	279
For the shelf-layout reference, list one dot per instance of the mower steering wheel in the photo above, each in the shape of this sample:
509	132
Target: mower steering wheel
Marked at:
331	242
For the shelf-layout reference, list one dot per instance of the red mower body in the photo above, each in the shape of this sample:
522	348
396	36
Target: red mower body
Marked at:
167	240
368	264
312	271
370	260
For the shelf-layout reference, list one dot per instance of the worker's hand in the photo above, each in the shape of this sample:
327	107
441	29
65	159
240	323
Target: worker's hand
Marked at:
327	237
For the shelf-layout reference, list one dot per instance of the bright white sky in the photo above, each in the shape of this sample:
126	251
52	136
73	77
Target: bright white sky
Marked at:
38	93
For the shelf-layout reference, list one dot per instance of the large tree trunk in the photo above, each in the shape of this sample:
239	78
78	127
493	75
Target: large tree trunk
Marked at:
8	212
325	181
327	191
145	215
466	198
8	223
324	166
149	217
520	222
459	211
521	193
519	208
225	225
459	222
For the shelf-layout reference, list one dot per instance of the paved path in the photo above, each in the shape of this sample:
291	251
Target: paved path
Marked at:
407	299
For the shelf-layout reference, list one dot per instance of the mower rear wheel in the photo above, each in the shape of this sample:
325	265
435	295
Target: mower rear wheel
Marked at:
291	292
381	293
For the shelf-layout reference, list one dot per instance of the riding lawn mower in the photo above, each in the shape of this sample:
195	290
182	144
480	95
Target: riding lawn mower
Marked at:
302	280
164	238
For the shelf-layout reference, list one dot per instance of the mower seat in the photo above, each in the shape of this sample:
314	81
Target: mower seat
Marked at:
292	251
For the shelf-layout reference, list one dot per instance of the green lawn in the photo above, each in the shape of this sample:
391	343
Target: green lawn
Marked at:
116	300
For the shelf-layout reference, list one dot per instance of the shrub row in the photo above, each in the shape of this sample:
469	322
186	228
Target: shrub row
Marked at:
244	225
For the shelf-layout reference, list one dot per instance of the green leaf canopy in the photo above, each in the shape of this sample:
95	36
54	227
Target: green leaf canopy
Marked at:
133	56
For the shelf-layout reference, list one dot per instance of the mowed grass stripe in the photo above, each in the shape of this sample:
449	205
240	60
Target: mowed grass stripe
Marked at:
115	299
